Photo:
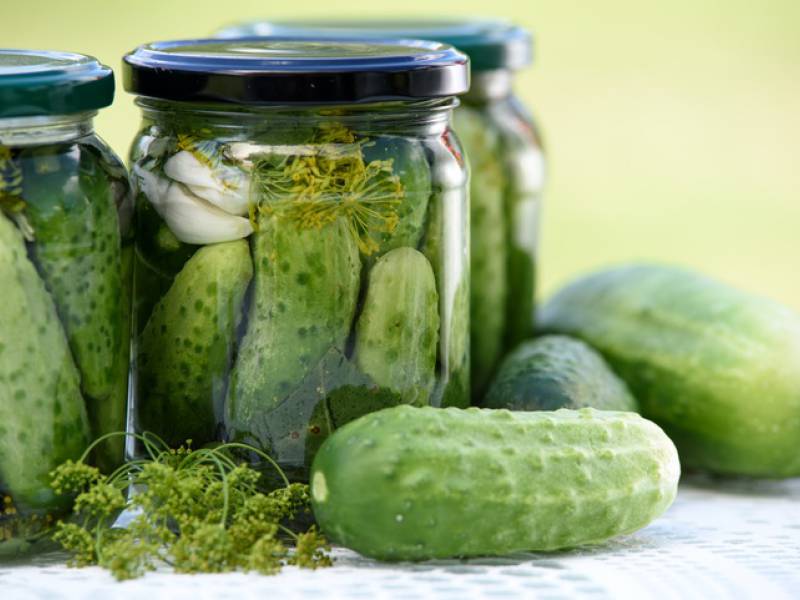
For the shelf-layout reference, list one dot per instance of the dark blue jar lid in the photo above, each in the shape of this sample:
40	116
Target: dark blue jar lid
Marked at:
38	83
489	43
286	70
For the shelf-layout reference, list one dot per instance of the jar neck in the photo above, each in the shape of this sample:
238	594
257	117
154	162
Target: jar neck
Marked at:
489	86
419	117
36	131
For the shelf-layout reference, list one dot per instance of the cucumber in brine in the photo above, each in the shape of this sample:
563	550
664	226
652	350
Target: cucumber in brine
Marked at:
77	249
398	331
42	416
489	248
185	350
304	298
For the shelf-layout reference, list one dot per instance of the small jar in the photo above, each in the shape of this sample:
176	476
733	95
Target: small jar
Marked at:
65	261
302	254
506	160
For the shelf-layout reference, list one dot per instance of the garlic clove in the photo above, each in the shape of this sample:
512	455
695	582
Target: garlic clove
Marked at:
233	201
226	187
195	221
151	185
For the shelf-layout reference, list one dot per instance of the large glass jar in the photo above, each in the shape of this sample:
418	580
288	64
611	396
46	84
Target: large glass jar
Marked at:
506	161
65	258
301	243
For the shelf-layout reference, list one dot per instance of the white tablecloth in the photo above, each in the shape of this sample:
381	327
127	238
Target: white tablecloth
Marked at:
721	539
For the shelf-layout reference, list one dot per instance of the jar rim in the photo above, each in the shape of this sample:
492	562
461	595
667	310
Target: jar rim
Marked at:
295	70
490	43
47	83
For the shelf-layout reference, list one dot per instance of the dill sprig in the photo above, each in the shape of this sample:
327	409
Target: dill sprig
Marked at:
198	511
317	183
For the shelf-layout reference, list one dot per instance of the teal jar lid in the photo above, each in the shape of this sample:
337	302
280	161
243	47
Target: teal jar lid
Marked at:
490	44
44	83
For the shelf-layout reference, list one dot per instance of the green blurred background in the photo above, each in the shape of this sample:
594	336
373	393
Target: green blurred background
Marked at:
672	128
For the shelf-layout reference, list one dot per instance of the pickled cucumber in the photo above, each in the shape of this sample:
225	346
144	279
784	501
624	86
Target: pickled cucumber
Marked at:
397	332
42	416
159	258
304	299
411	483
77	250
333	393
185	349
446	245
110	415
488	251
457	382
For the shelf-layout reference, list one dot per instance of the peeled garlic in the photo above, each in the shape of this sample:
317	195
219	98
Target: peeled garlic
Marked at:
151	185
226	187
195	221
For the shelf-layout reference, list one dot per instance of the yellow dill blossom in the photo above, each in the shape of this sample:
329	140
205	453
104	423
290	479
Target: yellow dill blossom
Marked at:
330	180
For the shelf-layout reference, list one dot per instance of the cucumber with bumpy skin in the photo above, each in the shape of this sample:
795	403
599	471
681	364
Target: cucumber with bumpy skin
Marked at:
42	416
397	332
77	248
409	483
185	350
306	285
556	371
717	368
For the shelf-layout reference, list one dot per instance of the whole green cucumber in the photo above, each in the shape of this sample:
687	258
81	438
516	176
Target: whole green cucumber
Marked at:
306	283
488	245
717	368
410	483
557	371
42	416
185	351
397	332
77	249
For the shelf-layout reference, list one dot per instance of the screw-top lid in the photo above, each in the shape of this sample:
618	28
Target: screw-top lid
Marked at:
37	83
285	70
489	43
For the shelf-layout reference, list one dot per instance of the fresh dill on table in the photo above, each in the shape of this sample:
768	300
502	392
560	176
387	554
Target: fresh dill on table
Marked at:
195	510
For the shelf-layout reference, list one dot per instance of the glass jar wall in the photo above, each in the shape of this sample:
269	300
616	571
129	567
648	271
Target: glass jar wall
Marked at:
507	166
65	258
302	258
507	169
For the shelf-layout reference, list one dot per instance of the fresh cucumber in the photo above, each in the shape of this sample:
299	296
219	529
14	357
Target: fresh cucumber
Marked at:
717	368
409	483
556	371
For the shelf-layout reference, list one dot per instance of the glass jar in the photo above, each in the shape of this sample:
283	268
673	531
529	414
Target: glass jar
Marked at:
506	160
65	257
301	238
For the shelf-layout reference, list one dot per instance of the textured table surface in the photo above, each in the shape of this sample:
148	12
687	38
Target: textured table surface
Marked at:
730	539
